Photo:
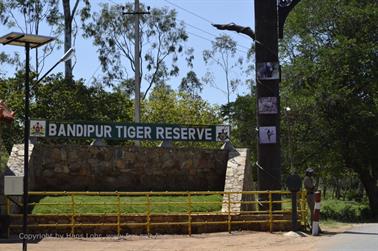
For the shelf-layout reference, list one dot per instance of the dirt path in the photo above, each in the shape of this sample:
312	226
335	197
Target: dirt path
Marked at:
237	241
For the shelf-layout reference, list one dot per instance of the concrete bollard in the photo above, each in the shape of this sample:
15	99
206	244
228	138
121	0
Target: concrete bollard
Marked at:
316	214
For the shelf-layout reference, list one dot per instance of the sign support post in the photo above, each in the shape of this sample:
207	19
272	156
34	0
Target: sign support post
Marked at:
267	88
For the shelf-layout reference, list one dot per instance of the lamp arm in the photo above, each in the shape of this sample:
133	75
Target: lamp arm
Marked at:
234	27
52	68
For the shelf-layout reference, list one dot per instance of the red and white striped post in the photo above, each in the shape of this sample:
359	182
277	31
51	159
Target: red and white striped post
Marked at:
316	214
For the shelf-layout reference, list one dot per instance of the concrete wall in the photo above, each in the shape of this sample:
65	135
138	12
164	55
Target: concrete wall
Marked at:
110	168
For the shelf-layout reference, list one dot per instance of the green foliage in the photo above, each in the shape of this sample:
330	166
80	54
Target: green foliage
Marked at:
243	117
191	84
11	91
346	211
33	11
27	16
8	59
162	39
168	106
3	158
129	204
330	84
57	99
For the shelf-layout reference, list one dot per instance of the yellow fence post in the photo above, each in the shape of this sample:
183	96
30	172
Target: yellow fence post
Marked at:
304	210
118	215
73	215
270	217
148	214
229	212
270	212
189	214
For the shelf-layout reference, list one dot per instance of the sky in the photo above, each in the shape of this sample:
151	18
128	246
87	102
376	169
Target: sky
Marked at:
197	16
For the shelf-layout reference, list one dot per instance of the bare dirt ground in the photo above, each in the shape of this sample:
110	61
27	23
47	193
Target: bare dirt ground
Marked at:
235	241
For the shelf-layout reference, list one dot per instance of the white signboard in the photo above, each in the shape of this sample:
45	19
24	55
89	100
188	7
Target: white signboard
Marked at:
222	132
37	128
268	105
13	185
267	135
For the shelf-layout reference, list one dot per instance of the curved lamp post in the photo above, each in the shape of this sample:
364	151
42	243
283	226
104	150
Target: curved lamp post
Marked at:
29	41
67	56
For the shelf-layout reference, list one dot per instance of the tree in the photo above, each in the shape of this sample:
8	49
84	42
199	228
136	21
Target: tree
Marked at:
58	99
68	18
330	51
36	13
191	84
165	105
223	53
113	34
11	91
71	28
8	59
33	13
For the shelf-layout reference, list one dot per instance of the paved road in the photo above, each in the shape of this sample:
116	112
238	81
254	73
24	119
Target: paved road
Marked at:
362	237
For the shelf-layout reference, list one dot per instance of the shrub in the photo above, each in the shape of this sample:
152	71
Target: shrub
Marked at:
347	211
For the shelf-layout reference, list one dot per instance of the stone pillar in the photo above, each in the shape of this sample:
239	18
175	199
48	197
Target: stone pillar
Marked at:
238	179
15	167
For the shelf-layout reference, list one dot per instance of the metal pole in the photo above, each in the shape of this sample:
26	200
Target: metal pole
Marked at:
26	150
137	67
268	155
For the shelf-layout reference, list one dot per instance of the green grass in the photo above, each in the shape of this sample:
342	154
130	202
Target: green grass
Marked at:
129	204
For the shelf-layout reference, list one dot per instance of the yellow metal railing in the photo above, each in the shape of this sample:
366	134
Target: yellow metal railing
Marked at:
261	203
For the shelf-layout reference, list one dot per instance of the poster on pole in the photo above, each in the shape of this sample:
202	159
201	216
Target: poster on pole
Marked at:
268	105
267	135
128	131
268	71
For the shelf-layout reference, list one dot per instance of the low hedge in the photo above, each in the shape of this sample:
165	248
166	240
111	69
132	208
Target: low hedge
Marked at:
346	211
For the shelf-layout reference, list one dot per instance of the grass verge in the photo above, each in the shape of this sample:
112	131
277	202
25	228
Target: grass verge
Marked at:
128	204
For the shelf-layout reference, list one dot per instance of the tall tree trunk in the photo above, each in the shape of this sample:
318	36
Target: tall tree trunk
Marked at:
67	37
371	188
324	189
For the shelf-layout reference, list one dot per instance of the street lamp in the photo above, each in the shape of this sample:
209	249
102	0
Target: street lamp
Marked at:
29	41
67	56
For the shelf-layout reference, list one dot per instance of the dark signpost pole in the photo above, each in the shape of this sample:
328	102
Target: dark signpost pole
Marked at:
294	184
26	149
29	41
267	90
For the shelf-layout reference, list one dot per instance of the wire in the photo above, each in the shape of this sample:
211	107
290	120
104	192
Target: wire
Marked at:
195	14
211	34
207	39
113	2
90	78
197	28
190	12
266	172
